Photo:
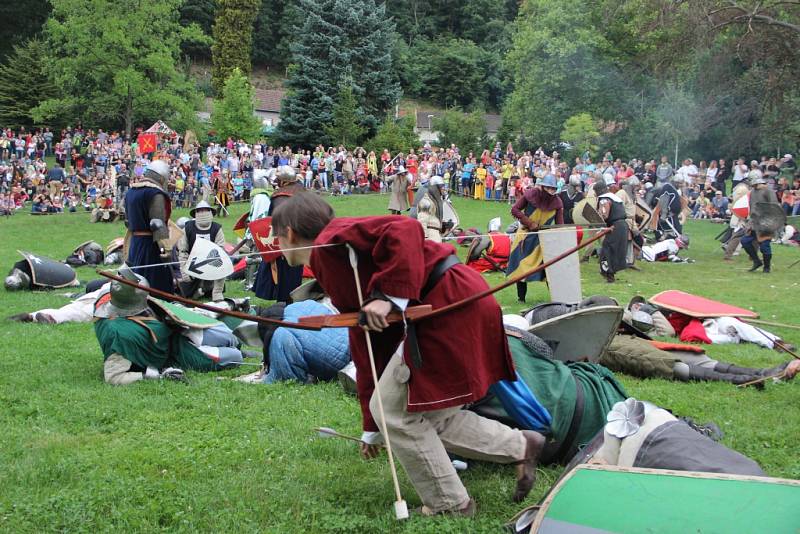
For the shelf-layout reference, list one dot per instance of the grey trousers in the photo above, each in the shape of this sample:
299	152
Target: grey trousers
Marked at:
421	441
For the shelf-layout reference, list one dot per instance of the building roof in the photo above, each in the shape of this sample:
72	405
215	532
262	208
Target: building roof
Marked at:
424	119
269	99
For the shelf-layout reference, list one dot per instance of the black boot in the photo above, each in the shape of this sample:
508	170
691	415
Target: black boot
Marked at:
522	291
767	262
751	251
703	373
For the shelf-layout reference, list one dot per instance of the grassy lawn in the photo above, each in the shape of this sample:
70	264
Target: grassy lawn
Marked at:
216	455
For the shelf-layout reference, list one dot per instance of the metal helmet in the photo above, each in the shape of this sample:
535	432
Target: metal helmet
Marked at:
682	241
286	174
202	205
548	181
574	180
157	172
436	180
181	222
495	224
642	320
260	181
125	300
16	280
758	180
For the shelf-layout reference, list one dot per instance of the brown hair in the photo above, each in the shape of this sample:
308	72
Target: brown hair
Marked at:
305	213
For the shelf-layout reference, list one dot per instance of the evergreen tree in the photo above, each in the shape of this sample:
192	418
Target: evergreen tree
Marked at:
333	47
115	64
24	84
273	32
233	39
20	21
233	113
200	12
396	135
345	129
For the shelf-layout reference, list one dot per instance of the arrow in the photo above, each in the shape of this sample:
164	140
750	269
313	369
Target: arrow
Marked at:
213	259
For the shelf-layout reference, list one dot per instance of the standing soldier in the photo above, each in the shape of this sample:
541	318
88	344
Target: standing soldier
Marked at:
201	227
766	217
147	208
276	278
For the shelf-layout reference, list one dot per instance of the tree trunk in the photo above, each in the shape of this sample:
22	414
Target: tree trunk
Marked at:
129	114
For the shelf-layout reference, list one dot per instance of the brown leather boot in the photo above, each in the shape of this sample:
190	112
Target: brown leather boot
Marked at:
526	468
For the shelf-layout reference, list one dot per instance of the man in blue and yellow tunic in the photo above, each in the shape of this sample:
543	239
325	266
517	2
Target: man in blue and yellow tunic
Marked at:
538	207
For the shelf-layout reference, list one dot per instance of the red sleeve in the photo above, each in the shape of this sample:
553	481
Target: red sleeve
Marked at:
560	216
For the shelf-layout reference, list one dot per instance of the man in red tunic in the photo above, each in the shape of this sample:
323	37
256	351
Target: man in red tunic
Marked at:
426	373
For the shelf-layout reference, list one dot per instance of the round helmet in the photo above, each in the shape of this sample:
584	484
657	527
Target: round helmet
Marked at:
436	180
16	280
642	320
260	181
574	180
682	241
158	172
286	174
495	224
124	300
548	181
633	180
515	321
181	222
758	180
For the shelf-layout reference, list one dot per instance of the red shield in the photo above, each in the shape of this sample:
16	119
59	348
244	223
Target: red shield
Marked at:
266	243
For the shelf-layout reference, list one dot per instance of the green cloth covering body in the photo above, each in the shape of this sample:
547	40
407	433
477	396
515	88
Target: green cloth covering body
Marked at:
135	343
552	383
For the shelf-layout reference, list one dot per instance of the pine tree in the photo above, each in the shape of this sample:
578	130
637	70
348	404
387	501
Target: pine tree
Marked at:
233	39
24	84
233	113
346	129
340	40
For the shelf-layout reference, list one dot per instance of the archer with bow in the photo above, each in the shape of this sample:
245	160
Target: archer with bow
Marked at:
425	373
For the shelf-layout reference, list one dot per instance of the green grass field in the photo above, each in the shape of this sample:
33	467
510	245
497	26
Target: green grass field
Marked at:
217	455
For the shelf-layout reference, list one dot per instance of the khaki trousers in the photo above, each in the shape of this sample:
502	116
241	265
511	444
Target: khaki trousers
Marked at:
421	440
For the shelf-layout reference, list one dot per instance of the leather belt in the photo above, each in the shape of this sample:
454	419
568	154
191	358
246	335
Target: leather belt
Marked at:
142	233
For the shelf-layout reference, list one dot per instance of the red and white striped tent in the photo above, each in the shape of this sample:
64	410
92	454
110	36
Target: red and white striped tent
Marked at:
162	129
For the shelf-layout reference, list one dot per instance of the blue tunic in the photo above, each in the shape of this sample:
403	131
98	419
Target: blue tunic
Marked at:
142	249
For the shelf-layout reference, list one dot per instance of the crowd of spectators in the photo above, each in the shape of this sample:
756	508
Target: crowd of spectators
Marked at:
94	166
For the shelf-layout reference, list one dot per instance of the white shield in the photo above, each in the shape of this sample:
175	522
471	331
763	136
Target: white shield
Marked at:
208	261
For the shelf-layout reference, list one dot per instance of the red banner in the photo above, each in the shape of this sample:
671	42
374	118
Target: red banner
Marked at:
147	143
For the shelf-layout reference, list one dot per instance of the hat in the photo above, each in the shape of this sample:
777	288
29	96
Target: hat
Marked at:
787	156
202	205
548	181
436	180
609	180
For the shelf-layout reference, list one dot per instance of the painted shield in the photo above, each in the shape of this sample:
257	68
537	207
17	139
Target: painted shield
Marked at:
181	315
741	208
582	335
47	273
266	243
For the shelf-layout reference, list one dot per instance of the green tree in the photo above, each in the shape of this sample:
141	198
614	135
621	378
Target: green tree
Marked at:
274	31
561	65
24	84
20	21
466	130
332	48
345	129
233	39
233	113
582	133
396	135
114	64
200	12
